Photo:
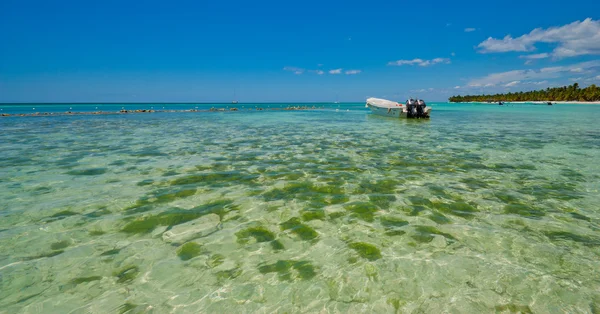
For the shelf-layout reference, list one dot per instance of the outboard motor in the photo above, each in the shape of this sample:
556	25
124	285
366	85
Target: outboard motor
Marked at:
420	108
411	109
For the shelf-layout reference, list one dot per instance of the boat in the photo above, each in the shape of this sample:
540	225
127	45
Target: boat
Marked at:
388	108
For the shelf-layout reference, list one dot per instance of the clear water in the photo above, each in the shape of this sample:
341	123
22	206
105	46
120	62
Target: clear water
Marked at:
483	208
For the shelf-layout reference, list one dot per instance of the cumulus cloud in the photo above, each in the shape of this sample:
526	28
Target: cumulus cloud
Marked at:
296	70
577	38
513	83
528	75
351	72
336	71
469	29
457	87
419	62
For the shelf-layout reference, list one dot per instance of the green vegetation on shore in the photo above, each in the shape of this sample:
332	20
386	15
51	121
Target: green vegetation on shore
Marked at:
565	93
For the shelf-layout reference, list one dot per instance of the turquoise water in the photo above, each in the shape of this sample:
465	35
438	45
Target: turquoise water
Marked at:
482	208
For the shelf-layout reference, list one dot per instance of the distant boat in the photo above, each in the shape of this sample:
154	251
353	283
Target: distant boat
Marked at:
549	104
388	108
500	103
234	98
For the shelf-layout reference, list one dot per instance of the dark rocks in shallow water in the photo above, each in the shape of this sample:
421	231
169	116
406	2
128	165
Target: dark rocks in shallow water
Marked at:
382	200
110	252
98	213
88	172
48	255
580	217
62	215
439	218
392	225
523	210
426	234
288	270
81	280
60	245
215	260
197	228
228	274
568	236
189	250
459	208
145	182
362	210
366	250
309	215
301	230
178	216
513	308
260	234
127	274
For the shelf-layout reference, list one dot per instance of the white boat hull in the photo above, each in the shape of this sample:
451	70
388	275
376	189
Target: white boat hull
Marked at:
397	112
388	108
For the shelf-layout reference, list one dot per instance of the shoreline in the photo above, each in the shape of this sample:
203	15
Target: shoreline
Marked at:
537	102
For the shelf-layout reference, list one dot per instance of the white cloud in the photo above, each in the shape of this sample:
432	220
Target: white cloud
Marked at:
532	57
544	82
420	62
336	71
535	56
577	38
575	79
351	72
296	70
319	72
457	87
577	70
470	29
527	75
513	83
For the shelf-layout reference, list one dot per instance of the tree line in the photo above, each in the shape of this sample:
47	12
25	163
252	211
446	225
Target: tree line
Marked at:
564	93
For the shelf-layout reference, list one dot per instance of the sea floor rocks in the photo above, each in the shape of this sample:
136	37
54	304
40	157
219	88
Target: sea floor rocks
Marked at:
198	228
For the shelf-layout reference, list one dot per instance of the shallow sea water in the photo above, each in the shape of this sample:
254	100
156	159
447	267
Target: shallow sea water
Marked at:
481	209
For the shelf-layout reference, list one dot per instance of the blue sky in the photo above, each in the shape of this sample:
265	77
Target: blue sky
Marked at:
201	51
